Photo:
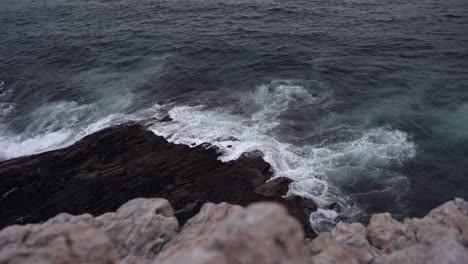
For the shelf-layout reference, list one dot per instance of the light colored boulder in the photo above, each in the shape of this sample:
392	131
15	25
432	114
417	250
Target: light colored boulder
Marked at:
347	243
440	237
140	227
55	243
437	245
135	233
386	233
262	233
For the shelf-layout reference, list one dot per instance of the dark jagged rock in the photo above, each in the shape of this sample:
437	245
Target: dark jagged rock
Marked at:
279	187
276	187
108	168
166	119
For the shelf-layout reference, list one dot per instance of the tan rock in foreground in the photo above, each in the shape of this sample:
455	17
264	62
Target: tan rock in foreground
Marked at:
55	243
440	237
140	227
135	233
145	231
225	234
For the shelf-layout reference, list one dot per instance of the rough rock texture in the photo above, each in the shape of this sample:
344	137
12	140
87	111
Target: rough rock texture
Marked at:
140	227
135	233
110	167
440	237
55	243
225	234
145	231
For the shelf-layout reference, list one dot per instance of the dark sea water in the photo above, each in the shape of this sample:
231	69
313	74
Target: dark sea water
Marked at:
363	103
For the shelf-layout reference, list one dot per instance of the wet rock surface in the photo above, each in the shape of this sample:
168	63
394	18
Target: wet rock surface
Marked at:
110	167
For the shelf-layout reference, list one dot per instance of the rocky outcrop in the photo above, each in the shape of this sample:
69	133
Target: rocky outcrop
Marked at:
145	231
135	233
138	231
100	173
55	243
110	167
226	234
440	237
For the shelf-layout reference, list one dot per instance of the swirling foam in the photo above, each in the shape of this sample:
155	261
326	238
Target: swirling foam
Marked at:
317	170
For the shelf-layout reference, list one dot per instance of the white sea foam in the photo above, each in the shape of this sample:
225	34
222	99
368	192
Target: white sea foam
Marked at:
317	170
16	146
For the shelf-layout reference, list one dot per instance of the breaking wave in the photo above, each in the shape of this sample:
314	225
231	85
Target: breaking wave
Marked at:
339	167
322	171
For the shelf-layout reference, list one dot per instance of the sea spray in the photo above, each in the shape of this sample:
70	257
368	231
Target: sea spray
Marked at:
318	171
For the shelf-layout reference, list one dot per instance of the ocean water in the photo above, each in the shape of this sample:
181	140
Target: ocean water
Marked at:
363	104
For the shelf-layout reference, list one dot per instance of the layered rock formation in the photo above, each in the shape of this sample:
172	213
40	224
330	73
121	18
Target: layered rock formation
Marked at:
146	231
110	167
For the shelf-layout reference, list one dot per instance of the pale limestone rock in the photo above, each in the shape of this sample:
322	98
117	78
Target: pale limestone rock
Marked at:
140	227
440	237
135	234
55	243
347	243
437	245
262	233
387	234
224	234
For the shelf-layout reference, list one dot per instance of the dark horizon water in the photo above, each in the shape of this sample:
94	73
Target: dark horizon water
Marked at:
363	103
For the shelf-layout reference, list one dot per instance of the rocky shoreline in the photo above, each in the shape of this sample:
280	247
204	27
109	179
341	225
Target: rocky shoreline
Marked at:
147	231
125	195
108	168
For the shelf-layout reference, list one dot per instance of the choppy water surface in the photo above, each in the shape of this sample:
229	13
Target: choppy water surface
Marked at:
364	104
